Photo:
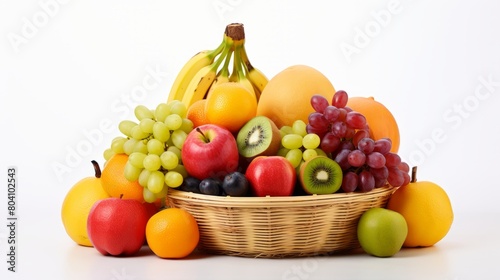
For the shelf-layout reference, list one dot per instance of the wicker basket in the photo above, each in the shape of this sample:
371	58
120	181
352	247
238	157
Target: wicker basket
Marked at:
278	227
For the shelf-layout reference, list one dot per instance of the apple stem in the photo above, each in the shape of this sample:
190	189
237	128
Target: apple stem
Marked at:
414	174
121	196
97	169
201	132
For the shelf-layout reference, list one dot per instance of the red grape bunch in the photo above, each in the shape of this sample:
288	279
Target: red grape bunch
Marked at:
345	137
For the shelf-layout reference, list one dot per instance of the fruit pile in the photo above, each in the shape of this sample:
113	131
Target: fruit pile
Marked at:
232	133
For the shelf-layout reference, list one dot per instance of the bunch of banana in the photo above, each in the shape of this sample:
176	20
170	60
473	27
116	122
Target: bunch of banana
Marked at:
208	68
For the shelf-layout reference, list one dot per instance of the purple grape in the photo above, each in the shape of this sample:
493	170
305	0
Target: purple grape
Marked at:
366	181
341	159
339	129
349	182
382	146
355	120
366	145
320	132
406	179
395	178
392	160
340	99
319	103
317	120
403	166
380	173
331	113
380	182
349	133
356	158
360	134
329	143
375	160
342	114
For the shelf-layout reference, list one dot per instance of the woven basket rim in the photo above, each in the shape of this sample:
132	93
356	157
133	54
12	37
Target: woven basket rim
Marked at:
276	201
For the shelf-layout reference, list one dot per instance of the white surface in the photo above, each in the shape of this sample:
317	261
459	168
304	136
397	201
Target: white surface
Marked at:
78	66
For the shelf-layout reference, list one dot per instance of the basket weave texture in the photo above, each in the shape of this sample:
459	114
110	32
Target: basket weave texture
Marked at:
278	227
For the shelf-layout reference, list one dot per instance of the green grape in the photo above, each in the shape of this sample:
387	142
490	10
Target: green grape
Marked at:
173	121
173	179
162	111
308	154
137	133
144	177
152	162
169	160
161	132
299	127
131	172
294	156
311	141
142	112
163	193
187	125
178	138
155	146
181	170
291	141
129	146
175	150
137	159
140	147
148	195
125	127
117	145
146	125
320	152
177	107
156	181
283	151
285	130
107	154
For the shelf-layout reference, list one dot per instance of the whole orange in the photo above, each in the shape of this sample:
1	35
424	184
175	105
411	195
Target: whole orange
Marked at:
197	114
230	105
287	95
77	204
380	120
115	183
427	210
172	233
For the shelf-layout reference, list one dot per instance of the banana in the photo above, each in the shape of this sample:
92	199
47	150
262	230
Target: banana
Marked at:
203	80
190	69
256	77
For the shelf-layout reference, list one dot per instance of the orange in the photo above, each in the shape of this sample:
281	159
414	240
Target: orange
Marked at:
77	204
380	120
196	113
427	210
287	95
172	233
230	105
115	183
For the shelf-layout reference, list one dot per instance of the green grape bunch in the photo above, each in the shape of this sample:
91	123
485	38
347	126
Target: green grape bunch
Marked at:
153	144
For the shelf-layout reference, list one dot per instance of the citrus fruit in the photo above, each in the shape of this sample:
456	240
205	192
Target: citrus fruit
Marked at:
230	105
196	113
77	204
287	95
172	233
427	210
115	183
380	120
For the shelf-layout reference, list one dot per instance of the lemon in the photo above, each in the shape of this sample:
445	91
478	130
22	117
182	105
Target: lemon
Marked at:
77	204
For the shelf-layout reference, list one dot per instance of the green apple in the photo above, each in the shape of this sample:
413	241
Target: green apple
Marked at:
382	232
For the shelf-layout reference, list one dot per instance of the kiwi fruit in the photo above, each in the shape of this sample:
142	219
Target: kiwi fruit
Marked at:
258	137
320	175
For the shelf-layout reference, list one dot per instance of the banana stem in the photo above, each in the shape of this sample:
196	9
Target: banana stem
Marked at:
217	51
224	72
215	66
246	61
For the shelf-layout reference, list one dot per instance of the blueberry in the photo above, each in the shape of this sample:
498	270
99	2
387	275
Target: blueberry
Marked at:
190	184
210	186
235	184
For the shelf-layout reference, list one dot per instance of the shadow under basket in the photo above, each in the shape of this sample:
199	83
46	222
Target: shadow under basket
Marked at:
278	227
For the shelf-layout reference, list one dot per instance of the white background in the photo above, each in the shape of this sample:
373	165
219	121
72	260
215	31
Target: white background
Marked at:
71	70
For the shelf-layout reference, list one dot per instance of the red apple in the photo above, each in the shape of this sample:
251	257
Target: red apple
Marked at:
210	151
271	175
117	226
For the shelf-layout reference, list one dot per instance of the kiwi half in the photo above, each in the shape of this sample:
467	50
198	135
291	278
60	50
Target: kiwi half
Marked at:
258	137
320	175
